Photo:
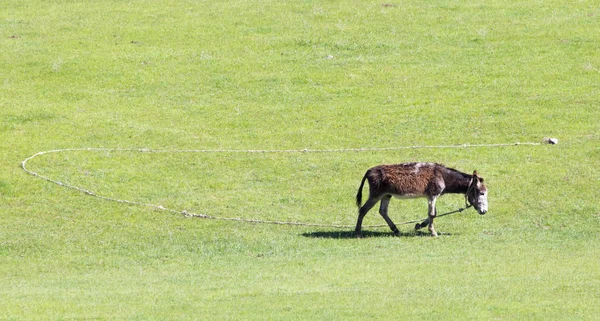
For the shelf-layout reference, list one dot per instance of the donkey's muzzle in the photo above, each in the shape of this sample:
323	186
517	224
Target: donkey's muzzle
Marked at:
482	212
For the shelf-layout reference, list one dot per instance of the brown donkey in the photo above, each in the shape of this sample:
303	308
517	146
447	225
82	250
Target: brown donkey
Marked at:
411	180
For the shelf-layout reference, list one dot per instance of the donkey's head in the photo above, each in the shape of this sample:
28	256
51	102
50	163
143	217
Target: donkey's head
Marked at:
477	194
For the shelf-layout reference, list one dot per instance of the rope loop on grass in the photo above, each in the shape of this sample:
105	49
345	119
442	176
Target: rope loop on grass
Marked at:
185	213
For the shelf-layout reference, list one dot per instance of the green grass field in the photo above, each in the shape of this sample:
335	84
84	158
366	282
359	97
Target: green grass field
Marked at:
195	75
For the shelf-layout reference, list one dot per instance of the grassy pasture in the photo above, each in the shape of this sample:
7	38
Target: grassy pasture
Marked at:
294	75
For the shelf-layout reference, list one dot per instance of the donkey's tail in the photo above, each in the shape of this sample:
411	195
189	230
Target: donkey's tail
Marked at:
359	194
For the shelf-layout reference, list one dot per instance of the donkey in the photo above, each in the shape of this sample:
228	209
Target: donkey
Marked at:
411	180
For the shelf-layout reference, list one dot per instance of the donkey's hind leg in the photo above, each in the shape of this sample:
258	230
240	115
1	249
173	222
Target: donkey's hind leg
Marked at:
383	210
362	212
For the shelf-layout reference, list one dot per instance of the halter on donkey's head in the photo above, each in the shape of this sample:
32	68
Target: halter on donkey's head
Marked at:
476	195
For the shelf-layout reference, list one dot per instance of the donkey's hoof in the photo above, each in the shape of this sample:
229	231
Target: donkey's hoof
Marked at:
358	235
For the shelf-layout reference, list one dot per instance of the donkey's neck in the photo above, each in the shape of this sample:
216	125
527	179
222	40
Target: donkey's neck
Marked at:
456	182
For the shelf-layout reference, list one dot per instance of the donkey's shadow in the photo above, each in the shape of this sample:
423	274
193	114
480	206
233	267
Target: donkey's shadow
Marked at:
366	234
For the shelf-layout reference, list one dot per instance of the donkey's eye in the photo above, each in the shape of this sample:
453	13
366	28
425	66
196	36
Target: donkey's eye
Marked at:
481	193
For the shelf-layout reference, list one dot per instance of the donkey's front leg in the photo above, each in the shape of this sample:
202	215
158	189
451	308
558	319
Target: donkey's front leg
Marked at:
432	213
421	225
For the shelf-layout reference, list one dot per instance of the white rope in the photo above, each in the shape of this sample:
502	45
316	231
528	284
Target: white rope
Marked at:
198	215
306	150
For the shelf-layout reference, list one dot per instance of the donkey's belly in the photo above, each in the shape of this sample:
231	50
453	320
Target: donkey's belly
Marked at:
408	195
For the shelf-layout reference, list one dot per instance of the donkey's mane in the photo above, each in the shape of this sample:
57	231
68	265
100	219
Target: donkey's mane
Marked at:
455	171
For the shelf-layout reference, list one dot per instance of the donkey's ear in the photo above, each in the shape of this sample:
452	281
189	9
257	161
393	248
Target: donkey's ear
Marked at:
475	174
